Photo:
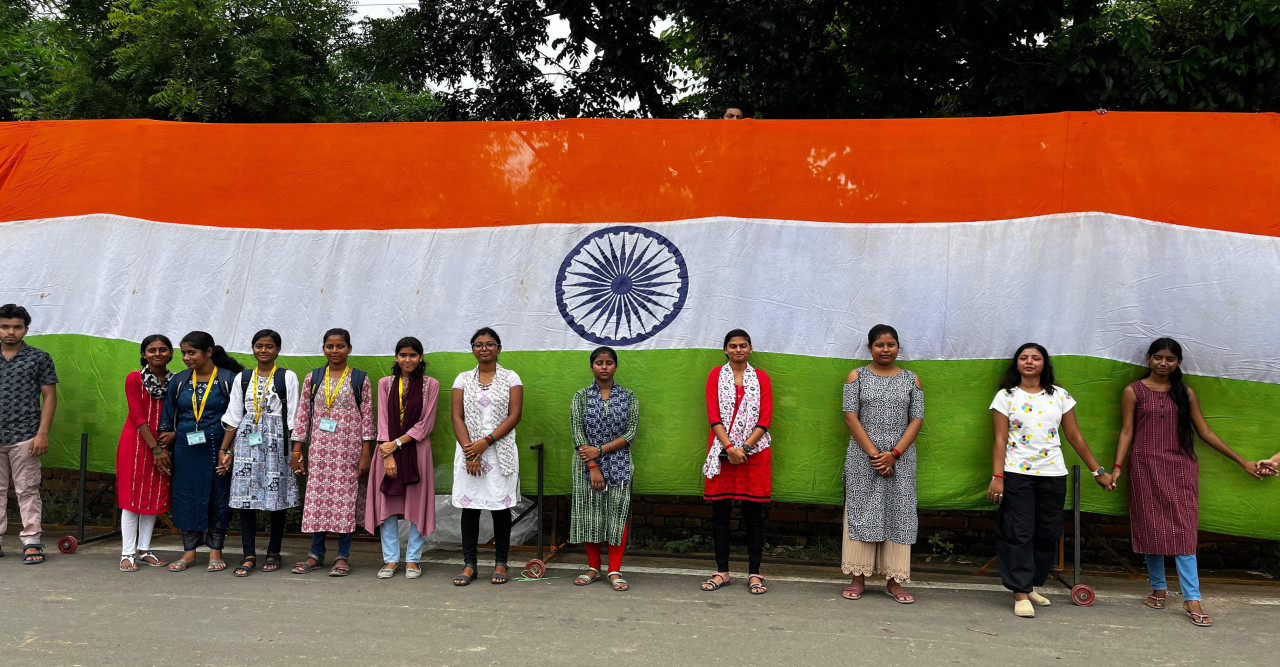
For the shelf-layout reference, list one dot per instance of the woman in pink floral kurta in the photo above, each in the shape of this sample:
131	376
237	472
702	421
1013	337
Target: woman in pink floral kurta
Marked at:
341	431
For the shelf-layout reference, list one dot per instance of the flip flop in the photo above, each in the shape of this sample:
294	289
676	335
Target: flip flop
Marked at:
155	561
131	560
1199	620
217	566
180	565
1154	602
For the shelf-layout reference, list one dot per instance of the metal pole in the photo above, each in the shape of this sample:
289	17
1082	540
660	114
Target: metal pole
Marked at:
541	506
1075	510
84	463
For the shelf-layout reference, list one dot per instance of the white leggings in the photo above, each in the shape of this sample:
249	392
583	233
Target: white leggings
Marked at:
136	531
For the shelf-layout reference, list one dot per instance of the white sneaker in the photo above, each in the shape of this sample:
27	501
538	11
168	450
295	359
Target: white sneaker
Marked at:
1038	599
1024	609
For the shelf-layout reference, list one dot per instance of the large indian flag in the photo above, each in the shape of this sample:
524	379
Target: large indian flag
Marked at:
1089	234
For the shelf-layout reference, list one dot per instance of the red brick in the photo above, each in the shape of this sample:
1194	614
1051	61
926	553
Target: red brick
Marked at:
792	516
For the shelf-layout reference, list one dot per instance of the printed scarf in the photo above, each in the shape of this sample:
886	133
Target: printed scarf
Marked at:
744	423
499	396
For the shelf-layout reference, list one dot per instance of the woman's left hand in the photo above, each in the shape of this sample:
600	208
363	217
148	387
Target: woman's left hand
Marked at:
475	448
587	453
597	479
389	466
224	462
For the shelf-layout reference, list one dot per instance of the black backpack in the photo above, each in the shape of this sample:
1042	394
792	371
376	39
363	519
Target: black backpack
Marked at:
280	390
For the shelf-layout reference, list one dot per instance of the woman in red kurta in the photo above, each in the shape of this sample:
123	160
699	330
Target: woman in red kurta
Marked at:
739	459
142	460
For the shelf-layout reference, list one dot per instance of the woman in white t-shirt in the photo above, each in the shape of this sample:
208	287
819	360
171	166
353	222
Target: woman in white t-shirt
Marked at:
1031	415
486	406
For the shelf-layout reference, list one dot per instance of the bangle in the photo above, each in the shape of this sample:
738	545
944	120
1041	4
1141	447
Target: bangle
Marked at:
896	453
592	466
599	449
997	477
489	439
297	451
1117	467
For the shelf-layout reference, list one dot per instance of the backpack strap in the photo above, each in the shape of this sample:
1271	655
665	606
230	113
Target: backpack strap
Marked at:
244	381
282	392
357	384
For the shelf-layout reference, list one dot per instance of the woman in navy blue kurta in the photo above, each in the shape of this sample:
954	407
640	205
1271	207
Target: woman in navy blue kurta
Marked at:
201	488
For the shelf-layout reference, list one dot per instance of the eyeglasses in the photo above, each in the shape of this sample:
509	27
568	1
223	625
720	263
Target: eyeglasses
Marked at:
489	345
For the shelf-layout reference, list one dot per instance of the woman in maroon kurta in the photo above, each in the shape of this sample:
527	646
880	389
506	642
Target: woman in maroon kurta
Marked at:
1160	419
739	460
142	460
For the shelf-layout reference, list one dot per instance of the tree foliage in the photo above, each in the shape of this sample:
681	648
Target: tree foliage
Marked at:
305	60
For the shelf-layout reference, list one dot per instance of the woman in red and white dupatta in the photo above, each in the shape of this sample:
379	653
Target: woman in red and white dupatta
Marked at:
739	459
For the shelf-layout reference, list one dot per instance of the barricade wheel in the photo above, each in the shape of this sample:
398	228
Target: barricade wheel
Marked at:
68	545
534	569
1082	595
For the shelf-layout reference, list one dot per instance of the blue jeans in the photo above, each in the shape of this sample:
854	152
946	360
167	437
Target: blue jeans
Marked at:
391	542
317	545
1188	577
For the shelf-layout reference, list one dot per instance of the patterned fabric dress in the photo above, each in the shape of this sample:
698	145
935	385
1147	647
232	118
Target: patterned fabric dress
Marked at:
334	497
882	508
1164	482
484	407
261	478
139	488
601	516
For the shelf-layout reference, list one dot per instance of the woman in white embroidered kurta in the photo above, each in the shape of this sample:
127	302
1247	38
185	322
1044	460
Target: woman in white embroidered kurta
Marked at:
485	407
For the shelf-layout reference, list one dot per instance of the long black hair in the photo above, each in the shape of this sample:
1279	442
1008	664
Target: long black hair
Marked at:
203	341
416	345
1178	392
148	341
1013	378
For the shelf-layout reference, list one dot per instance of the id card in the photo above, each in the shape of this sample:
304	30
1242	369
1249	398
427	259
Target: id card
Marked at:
255	439
327	425
195	438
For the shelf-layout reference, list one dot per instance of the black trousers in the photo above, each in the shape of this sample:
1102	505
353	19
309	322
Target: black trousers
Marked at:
753	516
1028	527
471	535
249	531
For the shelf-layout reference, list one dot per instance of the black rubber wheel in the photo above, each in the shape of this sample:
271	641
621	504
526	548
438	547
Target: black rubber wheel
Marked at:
1082	595
68	545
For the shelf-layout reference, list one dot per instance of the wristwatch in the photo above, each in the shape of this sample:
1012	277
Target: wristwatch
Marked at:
1099	471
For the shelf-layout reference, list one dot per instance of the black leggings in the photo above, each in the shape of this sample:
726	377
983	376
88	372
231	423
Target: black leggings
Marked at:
249	531
753	514
471	536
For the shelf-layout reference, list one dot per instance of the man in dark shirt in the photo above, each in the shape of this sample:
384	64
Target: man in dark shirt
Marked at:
26	377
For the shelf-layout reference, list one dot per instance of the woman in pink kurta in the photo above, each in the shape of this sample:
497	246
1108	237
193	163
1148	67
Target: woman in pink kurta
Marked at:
401	483
335	413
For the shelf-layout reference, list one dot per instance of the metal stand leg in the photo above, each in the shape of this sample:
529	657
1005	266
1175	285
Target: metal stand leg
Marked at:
1075	523
84	469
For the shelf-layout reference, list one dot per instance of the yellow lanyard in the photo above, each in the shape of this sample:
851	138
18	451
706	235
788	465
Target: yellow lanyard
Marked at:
199	411
260	399
330	391
402	392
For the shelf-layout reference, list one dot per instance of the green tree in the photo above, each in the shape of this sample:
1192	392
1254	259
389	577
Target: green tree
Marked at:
30	58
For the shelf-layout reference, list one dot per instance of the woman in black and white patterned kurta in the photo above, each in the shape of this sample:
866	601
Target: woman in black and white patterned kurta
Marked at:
884	409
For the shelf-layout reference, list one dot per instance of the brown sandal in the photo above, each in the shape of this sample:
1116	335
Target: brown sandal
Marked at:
853	591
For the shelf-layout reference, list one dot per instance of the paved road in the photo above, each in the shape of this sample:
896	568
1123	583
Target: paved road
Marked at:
79	609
